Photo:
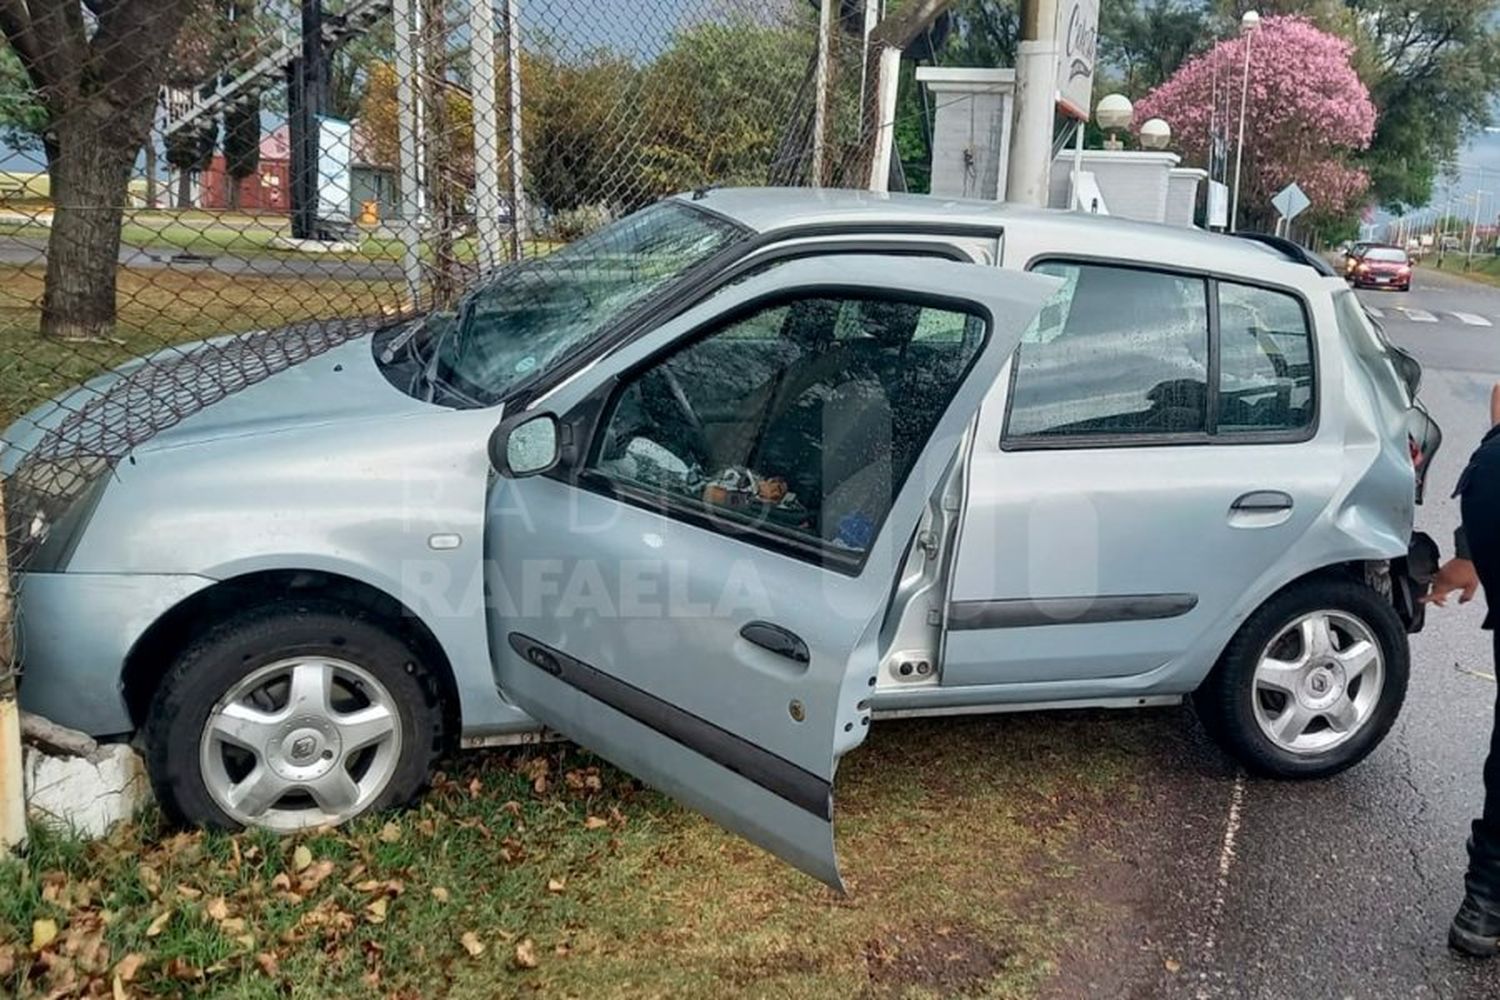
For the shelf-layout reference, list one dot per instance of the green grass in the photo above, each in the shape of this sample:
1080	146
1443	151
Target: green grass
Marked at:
158	308
223	234
959	841
1485	268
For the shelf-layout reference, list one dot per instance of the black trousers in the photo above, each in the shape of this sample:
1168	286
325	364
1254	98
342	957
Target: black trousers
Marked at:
1481	511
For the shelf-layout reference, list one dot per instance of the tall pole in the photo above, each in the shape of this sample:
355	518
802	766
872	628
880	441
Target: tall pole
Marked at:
486	138
1239	150
517	172
1028	178
820	100
409	153
1473	230
872	16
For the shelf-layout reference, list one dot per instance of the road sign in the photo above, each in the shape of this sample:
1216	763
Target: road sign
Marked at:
1291	202
1077	34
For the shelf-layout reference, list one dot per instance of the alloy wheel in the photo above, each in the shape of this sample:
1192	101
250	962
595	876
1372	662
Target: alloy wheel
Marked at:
303	742
1318	682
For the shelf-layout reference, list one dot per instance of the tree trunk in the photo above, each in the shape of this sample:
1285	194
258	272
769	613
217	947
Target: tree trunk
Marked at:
234	191
184	187
90	180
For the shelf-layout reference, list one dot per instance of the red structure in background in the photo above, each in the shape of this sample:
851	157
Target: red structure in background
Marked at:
267	190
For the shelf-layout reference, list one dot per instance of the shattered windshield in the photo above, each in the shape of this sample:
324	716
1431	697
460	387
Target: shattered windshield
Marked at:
529	317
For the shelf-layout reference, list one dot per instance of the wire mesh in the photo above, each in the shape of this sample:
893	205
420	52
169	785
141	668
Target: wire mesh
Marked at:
201	185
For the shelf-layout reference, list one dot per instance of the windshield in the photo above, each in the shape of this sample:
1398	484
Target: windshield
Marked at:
529	317
1386	254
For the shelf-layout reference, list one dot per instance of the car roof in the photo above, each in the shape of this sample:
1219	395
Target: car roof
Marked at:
768	209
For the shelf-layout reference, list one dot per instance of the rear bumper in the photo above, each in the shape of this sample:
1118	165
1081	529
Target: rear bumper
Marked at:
74	631
1411	577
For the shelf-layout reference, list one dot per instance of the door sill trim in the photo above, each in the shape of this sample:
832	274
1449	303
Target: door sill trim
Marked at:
1135	701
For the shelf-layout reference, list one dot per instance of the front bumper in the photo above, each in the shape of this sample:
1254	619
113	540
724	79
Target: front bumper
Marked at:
74	631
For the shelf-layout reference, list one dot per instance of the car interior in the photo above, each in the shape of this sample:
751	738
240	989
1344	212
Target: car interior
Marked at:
806	417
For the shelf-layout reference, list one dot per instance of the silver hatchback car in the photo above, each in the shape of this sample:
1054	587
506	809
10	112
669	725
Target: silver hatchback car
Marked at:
714	488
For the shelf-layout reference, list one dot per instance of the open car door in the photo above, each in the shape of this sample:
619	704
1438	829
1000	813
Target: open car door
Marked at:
691	547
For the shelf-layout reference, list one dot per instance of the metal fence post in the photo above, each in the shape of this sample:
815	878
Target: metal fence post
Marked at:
486	141
12	782
409	152
513	71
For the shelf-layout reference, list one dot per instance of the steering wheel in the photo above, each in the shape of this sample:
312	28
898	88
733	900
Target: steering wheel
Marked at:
684	418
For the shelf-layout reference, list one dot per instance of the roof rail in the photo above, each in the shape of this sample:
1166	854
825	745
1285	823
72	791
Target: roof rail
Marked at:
1294	252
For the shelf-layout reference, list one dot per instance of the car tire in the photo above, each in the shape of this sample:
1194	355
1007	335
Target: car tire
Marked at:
1245	700
293	715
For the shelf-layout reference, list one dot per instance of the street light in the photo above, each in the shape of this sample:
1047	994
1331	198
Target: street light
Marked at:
1249	24
1156	134
1113	113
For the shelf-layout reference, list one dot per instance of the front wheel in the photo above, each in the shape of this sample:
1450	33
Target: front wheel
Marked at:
289	717
1311	683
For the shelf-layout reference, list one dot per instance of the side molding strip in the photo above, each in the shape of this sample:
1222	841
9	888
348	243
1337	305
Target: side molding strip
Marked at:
775	774
1032	612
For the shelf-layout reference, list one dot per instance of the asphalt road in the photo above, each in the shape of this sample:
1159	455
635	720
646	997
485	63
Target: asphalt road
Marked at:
1343	888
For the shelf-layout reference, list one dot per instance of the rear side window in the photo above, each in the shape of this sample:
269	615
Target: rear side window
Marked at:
1266	380
1122	352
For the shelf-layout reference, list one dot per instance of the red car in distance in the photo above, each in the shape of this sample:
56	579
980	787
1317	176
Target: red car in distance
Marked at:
1382	267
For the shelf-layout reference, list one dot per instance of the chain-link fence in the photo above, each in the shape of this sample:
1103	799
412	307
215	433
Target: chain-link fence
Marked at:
227	188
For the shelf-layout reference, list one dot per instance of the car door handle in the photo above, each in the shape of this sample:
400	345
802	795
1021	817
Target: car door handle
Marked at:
1262	502
776	639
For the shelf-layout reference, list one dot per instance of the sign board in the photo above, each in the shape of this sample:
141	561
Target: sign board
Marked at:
1291	202
1077	37
1218	205
335	160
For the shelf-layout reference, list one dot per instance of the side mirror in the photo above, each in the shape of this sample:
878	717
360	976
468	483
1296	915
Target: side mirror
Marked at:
527	444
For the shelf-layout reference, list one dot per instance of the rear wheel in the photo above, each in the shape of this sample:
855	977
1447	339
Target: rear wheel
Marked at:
1311	683
292	716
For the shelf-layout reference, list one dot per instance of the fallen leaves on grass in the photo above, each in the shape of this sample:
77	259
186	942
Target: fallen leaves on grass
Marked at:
268	963
472	944
160	923
301	857
43	933
390	834
375	911
129	966
595	823
525	957
440	894
556	885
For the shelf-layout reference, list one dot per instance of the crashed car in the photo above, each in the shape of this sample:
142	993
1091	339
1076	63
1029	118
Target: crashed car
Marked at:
713	489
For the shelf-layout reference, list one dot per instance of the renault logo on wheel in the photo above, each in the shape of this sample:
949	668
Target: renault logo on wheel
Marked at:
303	747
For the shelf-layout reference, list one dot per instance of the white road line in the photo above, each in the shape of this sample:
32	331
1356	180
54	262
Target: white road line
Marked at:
1221	884
1418	315
1472	319
1377	313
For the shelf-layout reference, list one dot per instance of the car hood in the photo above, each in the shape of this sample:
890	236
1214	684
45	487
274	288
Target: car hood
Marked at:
232	386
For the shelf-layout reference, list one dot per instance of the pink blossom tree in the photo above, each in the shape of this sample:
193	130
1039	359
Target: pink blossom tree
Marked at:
1307	116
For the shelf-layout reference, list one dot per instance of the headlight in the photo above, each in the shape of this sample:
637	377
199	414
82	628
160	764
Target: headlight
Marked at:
48	502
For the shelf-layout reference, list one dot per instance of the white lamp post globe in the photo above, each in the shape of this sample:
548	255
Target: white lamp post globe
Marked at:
1156	134
1114	112
1250	21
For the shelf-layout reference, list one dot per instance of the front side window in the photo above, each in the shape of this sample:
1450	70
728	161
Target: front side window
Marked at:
529	317
1121	352
1266	381
798	422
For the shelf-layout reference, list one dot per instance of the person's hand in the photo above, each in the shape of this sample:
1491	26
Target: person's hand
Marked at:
1456	574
